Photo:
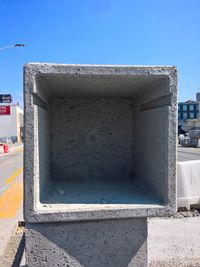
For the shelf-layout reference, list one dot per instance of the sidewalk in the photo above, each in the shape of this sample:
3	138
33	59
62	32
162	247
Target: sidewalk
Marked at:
174	242
15	146
11	195
10	239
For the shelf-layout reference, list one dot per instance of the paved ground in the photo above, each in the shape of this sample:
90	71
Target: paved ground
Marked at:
11	193
188	153
174	242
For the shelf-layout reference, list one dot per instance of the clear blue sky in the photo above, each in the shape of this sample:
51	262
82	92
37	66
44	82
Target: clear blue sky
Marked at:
150	32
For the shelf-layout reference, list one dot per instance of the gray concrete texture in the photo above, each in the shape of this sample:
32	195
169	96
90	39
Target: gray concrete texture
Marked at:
116	243
174	242
100	142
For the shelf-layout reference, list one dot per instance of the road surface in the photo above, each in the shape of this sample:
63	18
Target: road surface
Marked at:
11	194
188	153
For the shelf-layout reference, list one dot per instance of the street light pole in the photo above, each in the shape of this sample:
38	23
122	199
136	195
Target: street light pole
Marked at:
13	45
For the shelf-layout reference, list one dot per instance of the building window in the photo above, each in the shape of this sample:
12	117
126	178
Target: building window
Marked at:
185	115
179	107
191	115
184	107
191	107
197	107
179	116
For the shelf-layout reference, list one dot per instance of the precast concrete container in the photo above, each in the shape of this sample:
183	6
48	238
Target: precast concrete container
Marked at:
100	142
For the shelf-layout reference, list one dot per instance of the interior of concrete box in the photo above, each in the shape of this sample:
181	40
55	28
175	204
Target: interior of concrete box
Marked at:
96	146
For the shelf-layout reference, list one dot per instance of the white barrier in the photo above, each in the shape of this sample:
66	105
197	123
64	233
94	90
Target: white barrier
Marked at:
188	183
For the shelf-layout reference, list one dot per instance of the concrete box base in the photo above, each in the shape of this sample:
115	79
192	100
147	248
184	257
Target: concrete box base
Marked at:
114	243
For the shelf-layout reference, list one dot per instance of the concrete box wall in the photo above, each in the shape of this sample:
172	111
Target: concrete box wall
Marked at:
93	139
101	140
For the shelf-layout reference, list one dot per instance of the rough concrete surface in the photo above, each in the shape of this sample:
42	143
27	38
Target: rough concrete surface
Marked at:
174	242
87	124
114	243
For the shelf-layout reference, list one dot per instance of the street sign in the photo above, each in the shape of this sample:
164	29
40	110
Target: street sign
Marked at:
4	110
5	98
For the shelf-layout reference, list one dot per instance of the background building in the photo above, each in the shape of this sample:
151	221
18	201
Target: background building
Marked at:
188	114
198	96
11	123
188	110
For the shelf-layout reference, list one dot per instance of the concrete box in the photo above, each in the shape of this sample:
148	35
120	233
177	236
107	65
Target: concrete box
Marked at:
100	142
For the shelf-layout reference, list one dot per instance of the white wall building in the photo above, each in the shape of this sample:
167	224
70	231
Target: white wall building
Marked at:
11	125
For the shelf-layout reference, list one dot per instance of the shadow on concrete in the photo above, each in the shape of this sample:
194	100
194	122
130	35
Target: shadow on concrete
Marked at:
19	253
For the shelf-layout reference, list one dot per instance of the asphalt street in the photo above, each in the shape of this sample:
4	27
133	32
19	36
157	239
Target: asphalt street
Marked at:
11	193
188	153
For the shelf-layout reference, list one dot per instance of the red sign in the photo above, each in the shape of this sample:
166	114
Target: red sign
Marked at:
4	110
